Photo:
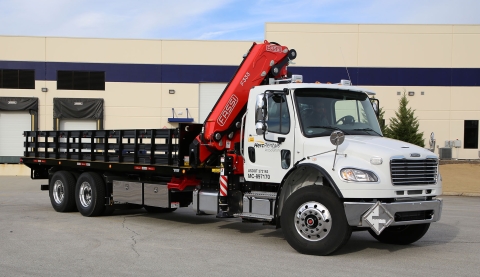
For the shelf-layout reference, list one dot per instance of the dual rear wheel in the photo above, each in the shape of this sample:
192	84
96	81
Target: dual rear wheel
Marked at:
62	192
71	191
85	193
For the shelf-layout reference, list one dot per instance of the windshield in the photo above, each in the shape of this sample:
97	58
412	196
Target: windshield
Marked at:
323	110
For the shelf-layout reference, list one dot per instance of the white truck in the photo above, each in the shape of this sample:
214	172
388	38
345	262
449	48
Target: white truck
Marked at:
307	157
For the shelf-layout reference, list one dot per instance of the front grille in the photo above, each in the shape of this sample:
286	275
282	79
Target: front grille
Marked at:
413	172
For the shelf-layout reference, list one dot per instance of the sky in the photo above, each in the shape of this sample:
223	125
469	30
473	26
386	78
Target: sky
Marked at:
214	19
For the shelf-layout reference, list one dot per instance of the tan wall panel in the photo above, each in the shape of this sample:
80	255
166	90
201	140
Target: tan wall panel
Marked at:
432	115
132	95
323	49
434	98
131	111
165	124
186	95
466	29
22	48
456	129
132	122
45	108
427	127
465	50
74	94
204	52
441	129
387	96
404	50
46	119
465	99
405	28
471	154
180	112
104	50
465	115
308	28
4	92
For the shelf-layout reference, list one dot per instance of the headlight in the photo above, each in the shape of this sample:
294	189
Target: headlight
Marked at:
357	175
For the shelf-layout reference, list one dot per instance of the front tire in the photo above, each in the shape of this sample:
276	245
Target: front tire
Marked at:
401	235
313	221
90	194
62	192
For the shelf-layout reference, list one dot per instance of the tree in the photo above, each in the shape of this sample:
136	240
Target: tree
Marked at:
381	120
404	126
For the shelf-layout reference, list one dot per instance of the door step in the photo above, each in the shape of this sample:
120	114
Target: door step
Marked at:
261	195
256	217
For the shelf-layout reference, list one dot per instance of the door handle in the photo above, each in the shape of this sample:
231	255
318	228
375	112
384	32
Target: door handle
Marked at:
251	154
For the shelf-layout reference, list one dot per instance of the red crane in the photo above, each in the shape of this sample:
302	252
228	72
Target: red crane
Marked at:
222	126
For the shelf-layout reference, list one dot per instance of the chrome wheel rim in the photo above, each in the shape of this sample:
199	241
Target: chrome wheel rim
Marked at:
58	192
313	221
85	194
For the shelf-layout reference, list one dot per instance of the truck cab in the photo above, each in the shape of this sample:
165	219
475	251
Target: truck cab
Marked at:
325	139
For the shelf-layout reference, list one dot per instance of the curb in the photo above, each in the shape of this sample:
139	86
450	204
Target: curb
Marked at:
470	194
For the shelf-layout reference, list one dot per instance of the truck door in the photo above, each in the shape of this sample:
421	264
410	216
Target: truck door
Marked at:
269	156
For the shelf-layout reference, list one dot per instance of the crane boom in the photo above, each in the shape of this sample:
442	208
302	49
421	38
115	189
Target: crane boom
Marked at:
221	127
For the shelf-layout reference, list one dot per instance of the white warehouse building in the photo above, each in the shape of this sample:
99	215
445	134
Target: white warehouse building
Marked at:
51	83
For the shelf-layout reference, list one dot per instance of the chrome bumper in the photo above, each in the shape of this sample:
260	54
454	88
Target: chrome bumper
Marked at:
355	211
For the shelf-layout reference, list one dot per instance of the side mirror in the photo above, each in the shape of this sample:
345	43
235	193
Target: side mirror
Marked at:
337	138
259	104
261	128
261	114
376	106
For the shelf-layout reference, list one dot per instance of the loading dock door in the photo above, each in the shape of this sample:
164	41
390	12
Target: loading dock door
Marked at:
209	94
78	124
12	126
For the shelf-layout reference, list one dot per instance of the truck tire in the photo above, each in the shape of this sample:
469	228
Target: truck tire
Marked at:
401	235
313	221
62	192
158	210
75	175
90	194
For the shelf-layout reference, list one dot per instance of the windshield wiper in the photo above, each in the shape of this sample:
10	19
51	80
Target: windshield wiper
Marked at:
328	127
368	130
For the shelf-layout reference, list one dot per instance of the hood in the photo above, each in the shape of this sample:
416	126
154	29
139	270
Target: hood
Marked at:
369	146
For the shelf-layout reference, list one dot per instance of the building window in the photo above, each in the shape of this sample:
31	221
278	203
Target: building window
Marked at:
470	134
17	79
81	80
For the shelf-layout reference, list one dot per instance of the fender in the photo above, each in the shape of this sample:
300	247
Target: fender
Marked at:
280	199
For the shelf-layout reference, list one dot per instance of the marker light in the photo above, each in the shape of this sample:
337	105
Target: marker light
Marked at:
376	160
